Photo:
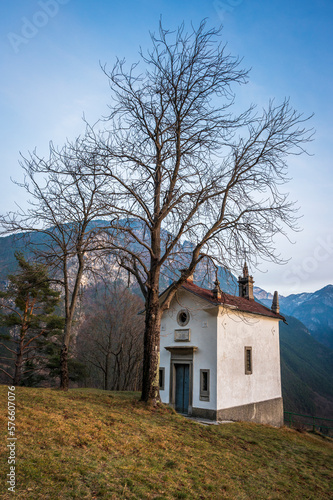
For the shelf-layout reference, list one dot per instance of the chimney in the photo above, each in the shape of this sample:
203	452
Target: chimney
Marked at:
217	292
275	304
245	284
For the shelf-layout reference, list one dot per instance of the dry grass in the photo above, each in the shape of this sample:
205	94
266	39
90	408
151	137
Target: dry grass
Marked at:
97	444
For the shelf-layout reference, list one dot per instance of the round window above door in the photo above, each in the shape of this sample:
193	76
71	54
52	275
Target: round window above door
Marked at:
183	317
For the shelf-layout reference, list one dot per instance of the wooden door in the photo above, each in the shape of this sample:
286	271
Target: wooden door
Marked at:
182	387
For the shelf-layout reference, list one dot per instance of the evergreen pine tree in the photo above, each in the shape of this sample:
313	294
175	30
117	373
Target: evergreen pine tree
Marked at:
27	310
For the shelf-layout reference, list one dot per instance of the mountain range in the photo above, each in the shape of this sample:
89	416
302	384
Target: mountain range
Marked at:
314	310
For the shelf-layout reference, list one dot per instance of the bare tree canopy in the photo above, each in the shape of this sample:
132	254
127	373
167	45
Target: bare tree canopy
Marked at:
181	175
182	167
178	159
68	209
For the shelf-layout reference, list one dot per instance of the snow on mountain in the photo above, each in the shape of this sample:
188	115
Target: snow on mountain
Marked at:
315	310
262	295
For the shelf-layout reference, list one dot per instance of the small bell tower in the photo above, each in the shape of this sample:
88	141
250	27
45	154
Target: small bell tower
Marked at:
245	284
217	292
275	304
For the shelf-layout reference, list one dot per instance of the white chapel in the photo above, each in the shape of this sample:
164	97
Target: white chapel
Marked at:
220	356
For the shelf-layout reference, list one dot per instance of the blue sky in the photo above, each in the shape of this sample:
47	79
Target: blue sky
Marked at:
50	75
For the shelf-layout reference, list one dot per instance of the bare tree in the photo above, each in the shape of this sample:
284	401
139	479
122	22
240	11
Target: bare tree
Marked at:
181	176
111	336
67	209
182	167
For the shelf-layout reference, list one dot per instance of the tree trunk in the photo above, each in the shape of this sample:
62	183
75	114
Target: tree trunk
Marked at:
136	380
18	367
106	372
70	309
64	373
151	354
150	384
117	370
19	355
64	376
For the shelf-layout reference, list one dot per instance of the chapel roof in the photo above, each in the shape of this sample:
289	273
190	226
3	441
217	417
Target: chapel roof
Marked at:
239	303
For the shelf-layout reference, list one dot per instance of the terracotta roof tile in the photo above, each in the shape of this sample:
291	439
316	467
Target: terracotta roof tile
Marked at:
240	303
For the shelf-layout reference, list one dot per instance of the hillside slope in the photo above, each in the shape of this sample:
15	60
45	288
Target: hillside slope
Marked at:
92	444
307	371
315	310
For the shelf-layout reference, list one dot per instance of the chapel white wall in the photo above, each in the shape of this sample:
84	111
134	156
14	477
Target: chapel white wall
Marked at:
235	331
203	326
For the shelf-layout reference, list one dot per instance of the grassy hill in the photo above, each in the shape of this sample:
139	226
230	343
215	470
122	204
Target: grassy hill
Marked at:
306	365
95	444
